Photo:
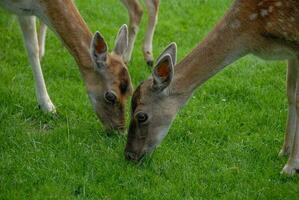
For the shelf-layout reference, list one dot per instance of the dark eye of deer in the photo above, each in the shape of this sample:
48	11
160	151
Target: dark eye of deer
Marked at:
141	117
110	97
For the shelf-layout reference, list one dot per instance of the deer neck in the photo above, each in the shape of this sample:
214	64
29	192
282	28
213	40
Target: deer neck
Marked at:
66	21
225	44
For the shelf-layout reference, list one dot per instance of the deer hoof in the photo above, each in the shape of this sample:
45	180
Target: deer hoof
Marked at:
290	169
47	107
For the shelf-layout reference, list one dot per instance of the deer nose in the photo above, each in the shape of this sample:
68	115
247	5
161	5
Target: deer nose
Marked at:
131	155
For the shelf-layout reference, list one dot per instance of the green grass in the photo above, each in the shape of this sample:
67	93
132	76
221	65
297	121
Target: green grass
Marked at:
223	144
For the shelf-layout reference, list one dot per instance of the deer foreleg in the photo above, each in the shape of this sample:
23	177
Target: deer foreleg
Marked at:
28	27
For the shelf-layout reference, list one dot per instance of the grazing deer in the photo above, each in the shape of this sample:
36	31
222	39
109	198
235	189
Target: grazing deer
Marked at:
135	13
266	28
105	75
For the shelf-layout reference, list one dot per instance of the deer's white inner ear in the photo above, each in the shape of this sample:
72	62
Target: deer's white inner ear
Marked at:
121	43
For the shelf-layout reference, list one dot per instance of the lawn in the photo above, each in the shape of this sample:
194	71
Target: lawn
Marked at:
222	145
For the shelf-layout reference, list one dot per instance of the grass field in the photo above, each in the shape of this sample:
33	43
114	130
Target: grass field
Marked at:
223	144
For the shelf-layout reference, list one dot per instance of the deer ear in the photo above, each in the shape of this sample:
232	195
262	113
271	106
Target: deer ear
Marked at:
163	73
171	49
99	51
121	43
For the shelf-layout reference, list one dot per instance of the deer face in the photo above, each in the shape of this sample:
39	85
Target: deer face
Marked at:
110	85
153	108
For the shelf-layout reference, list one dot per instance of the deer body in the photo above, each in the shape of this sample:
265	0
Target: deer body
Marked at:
103	82
266	28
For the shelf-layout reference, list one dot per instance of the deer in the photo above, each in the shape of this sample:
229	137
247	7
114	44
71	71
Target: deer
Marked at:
104	74
265	28
135	12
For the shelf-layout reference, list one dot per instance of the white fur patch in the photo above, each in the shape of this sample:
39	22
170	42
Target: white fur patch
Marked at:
253	16
235	24
93	99
278	4
264	12
161	135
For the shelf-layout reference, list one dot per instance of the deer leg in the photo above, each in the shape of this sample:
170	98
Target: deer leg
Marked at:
291	122
42	39
28	27
152	7
292	165
135	15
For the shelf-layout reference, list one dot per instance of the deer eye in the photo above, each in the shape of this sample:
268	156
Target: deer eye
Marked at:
110	97
141	117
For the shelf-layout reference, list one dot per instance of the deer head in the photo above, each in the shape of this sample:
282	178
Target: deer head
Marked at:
153	108
112	86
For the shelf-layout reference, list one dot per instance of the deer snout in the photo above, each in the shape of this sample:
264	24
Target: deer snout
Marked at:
132	156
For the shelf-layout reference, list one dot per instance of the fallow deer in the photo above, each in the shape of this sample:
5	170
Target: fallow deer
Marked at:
105	75
135	14
266	28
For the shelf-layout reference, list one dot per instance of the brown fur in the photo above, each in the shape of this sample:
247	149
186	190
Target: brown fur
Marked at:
136	98
71	28
156	4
